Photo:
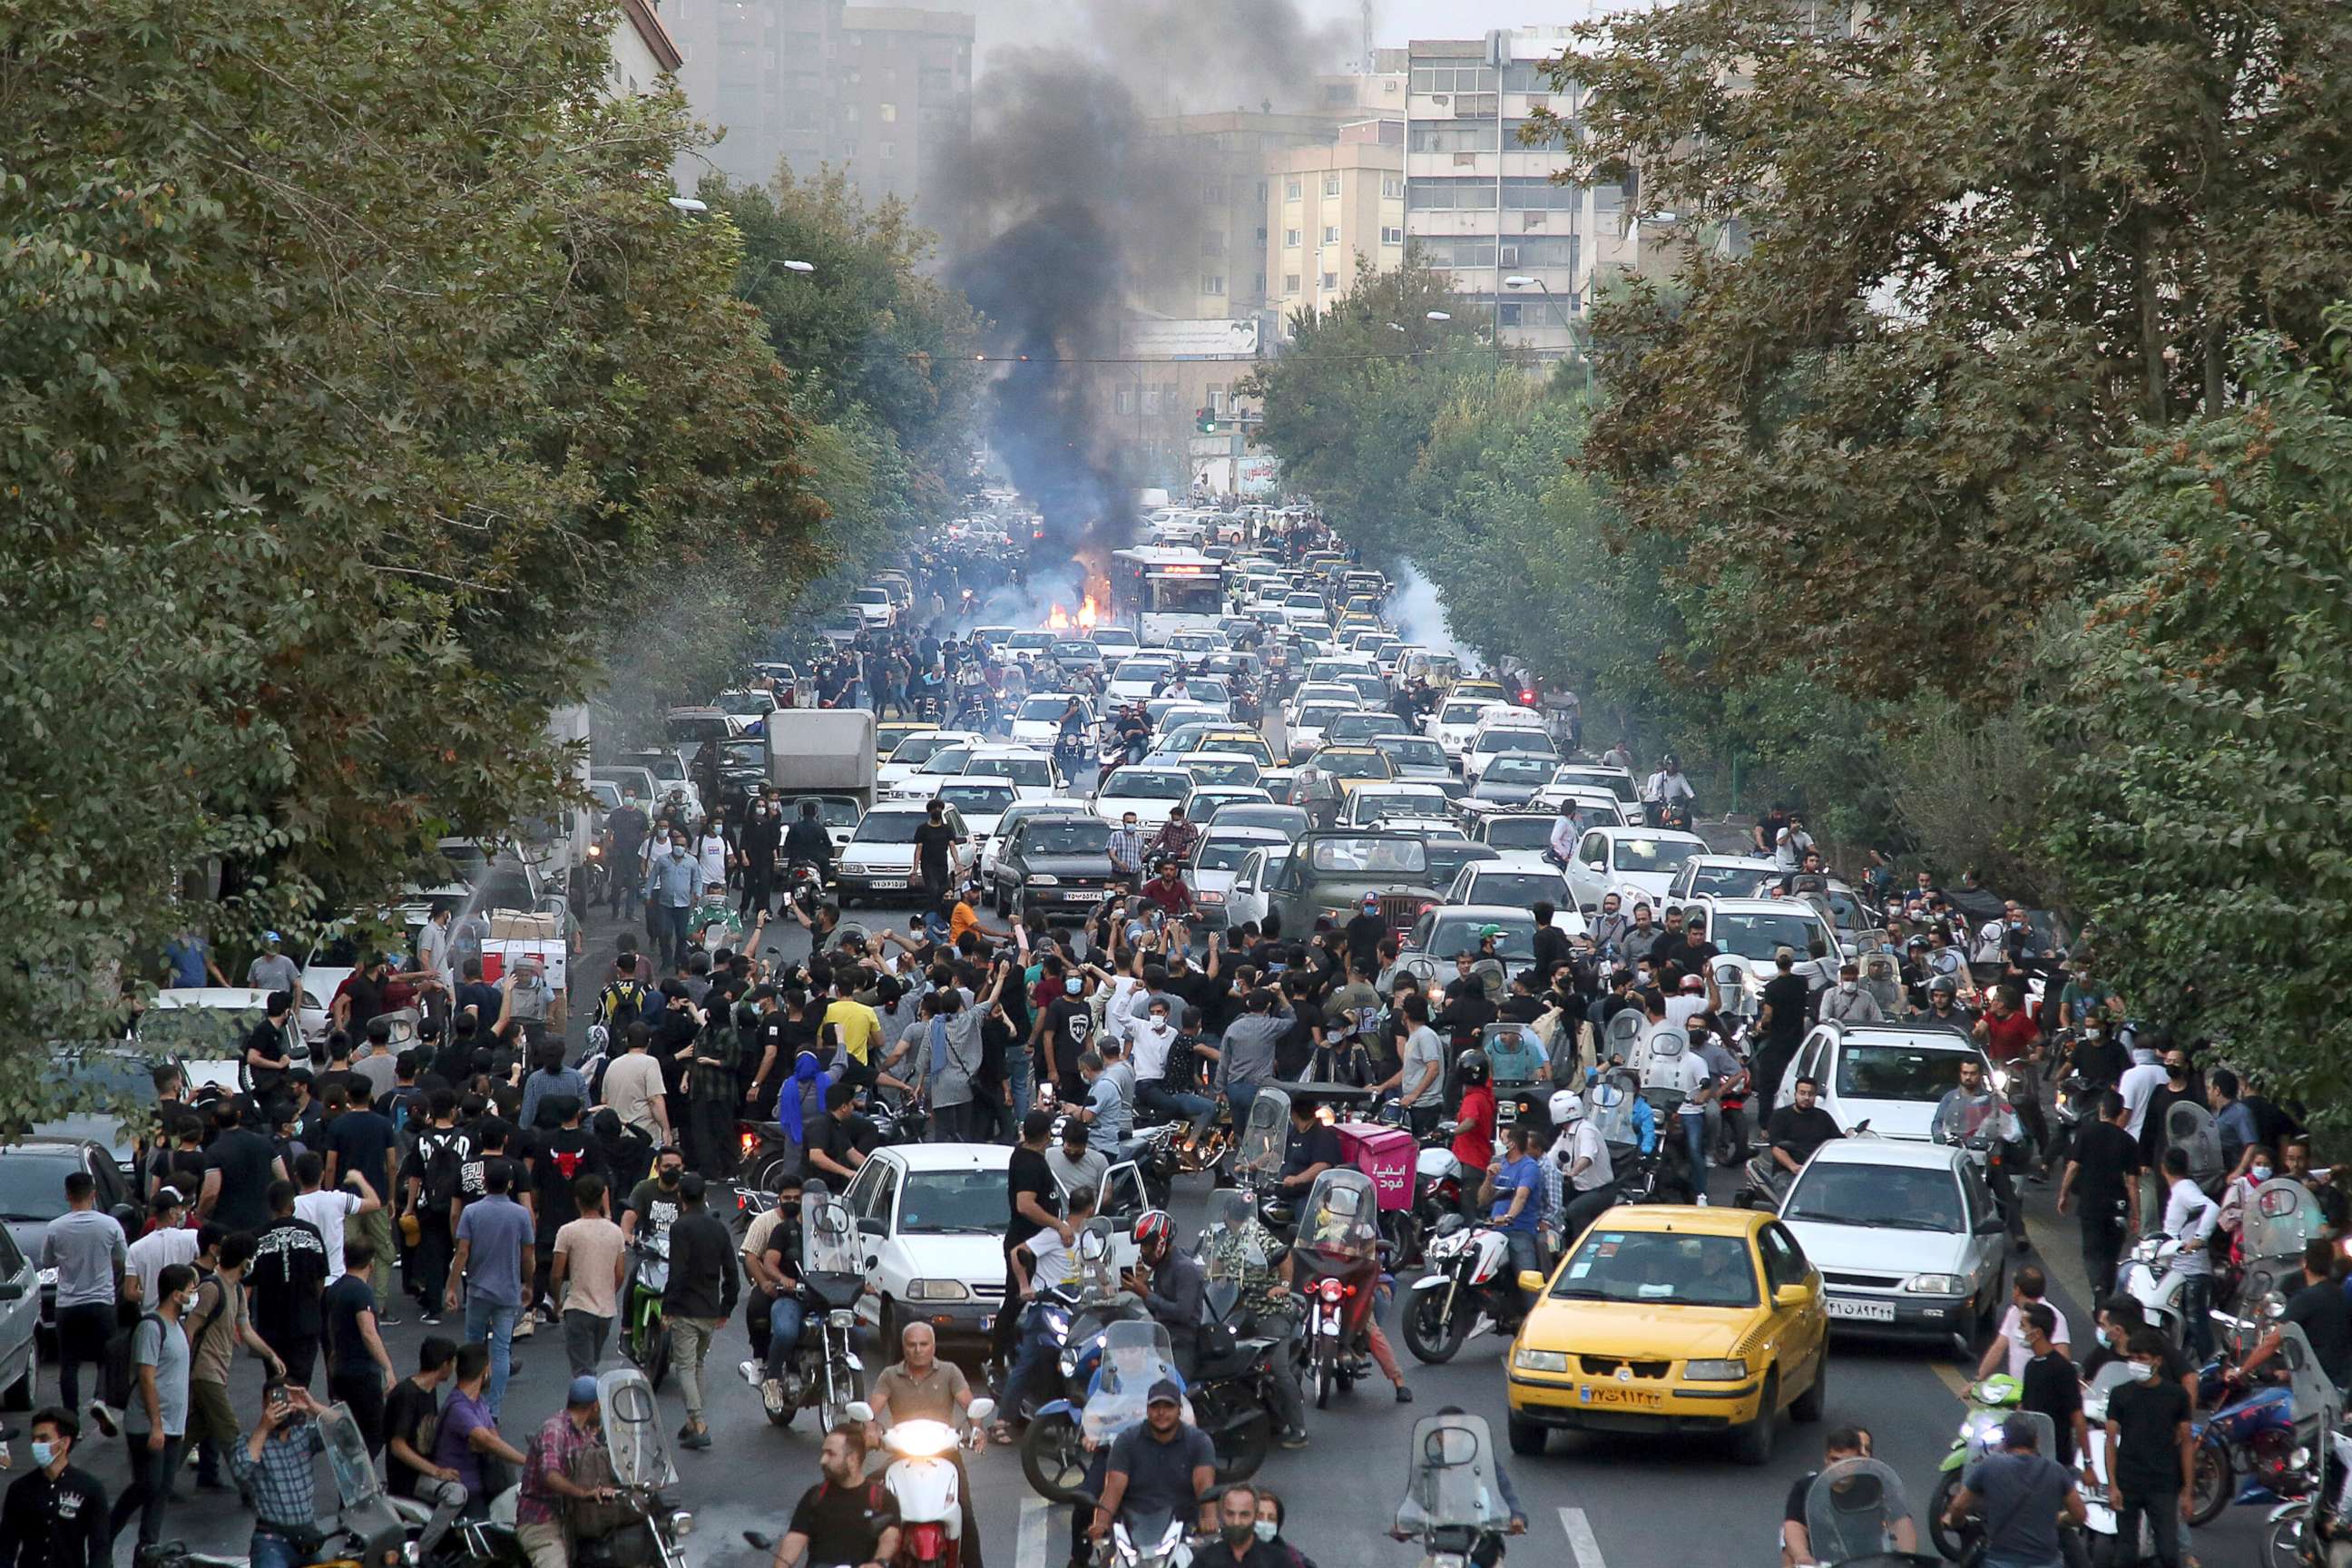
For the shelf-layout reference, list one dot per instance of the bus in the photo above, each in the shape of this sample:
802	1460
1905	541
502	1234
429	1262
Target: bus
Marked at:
1163	589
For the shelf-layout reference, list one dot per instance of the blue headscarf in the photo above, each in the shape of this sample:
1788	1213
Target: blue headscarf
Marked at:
805	1073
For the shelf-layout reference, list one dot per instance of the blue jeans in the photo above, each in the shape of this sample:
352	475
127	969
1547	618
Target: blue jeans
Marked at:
1527	1257
671	937
268	1549
1016	1070
1695	1143
489	1321
1238	1096
1035	1354
784	1332
1160	1099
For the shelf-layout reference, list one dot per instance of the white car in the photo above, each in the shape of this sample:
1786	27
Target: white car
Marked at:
1031	772
1371	804
1891	1075
1196	645
1136	676
1908	1238
1632	862
980	802
206	1027
1019	812
1725	876
1305	728
1038	721
1251	894
1311	692
1223	768
1116	642
1600	808
933	771
880	859
931	1220
1455	720
1753	930
1168	713
1500	882
1217	861
913	753
1616	781
1519	838
874	606
1150	793
1515	738
1207	800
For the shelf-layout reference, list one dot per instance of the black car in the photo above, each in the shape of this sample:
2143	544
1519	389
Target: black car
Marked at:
1058	862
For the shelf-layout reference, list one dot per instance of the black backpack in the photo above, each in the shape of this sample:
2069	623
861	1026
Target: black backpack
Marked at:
444	1151
626	1004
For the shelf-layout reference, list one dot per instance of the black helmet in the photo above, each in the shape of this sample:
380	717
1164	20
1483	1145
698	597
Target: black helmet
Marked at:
1472	1067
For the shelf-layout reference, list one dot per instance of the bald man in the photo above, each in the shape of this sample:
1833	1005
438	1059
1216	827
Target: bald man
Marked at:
922	1387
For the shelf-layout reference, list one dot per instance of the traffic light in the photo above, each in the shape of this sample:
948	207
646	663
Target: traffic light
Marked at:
1208	421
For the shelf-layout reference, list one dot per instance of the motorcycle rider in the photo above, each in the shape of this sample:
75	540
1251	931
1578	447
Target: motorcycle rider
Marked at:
919	1386
806	839
1667	786
1973	1109
1161	1466
1237	1246
844	1518
1581	1163
1169	1283
1792	1135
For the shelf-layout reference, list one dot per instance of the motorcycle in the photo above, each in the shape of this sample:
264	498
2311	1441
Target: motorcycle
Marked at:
372	1529
1255	1163
1856	1513
1335	1261
2253	1440
1452	1503
1469	1290
643	1475
1990	1401
804	887
1982	1124
2150	1278
925	1484
2280	1218
645	1332
1070	1324
826	1373
1134	1354
2315	1531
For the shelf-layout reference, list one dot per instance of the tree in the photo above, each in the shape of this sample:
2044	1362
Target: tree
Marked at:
1981	239
362	388
2201	823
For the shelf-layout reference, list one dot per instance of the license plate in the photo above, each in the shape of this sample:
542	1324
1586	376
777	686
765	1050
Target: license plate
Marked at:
1621	1396
1446	1560
1863	1312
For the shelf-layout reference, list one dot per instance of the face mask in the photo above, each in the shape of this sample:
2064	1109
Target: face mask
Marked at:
2259	1172
2104	1339
43	1453
670	1178
1238	1535
188	1303
2141	1371
1849	986
1266	1529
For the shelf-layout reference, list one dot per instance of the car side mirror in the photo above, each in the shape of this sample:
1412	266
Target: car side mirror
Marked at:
1531	1280
1788	1297
872	1227
12	1291
1991	1225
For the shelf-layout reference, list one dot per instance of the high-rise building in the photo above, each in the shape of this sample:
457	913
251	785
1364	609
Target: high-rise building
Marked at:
905	101
762	72
642	51
1223	272
1485	206
1334	213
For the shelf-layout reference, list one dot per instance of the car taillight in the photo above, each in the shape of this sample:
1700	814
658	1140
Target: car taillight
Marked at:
924	1542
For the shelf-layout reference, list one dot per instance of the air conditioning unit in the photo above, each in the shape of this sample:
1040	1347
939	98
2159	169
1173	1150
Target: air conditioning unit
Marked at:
1464	160
1538	218
1510	256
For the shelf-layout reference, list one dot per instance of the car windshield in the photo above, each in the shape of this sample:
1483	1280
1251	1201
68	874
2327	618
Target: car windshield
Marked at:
1518	769
1020	770
1460	713
922	748
1134	784
833	810
1885	1197
1658	1268
1379	808
1448	856
953	1203
1357	856
888	827
1076	650
1045	708
1316	715
1412	750
751	704
980	799
1239	771
1735	880
1615	783
1759	936
1515	887
199	1034
1519	832
1898	1072
1070	836
1286	820
33	1184
743	755
1225	854
1364	726
1653	854
1355	765
948	761
1534	742
1452	934
1144	669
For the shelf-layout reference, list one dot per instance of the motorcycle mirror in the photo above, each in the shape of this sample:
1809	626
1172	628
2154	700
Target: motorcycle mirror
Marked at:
1531	1280
980	1410
858	1410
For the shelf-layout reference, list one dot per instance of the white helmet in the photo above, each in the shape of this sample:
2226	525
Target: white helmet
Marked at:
1567	1108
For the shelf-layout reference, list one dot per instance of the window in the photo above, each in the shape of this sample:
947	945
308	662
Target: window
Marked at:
1330	280
1149	396
1261	285
1508	312
1540	194
1450	77
1392	187
1123	401
1290	282
1261	192
1330	234
1784	1261
1391	235
1292	188
1437	195
1212	283
889	114
1289	239
1331	184
889	150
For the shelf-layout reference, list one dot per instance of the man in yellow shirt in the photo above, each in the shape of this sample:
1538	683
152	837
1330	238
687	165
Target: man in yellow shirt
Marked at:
856	1027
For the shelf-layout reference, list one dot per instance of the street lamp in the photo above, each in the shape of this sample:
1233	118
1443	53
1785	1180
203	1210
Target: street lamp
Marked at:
689	205
1439	316
800	267
1567	322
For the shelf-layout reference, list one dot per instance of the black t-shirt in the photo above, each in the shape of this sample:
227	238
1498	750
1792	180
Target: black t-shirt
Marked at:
1552	950
836	1139
1159	1473
1697	955
563	1155
1319	1145
1364	934
360	1140
1069	1026
345	1302
2146	1418
1793	1511
1787	995
413	1415
843	1524
182	1169
2052	1386
1801	1132
2105	1153
288	1271
1028	1173
2326	1322
934	844
243	1157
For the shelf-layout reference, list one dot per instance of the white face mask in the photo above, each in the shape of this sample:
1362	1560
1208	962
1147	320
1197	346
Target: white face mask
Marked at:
2139	1370
2259	1172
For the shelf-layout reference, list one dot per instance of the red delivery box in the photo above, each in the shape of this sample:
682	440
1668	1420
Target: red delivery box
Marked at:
1384	1154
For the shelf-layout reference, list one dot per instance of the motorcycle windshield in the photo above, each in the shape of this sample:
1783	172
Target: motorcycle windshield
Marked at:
1258	1151
633	1430
1095	1279
1961	1116
1135	1355
1609	1106
1882	976
348	1458
1853	1509
1231	1241
828	1235
1985	1435
1624	1034
2316	1402
1341	1216
2281	1218
1449	1480
2189	1127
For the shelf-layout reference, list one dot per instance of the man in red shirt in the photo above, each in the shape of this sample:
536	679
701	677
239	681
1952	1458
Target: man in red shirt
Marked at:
1168	890
1474	1131
2005	1032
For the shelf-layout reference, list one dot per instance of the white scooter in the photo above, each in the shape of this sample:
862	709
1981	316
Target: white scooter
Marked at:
2150	1278
924	1481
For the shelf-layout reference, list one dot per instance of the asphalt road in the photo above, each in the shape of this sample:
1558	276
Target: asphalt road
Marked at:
1621	1502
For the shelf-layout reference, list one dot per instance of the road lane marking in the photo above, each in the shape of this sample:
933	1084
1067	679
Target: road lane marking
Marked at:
1951	1376
1036	1527
1580	1537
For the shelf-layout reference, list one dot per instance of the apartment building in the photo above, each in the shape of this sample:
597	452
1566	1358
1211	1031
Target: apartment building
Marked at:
1334	213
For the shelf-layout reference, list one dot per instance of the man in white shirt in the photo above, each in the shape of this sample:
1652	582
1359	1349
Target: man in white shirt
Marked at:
1689	1001
2188	1218
2138	1086
167	1242
1566	831
1790	845
326	1209
2027	1287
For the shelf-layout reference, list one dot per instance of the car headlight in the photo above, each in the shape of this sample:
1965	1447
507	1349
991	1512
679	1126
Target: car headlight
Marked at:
1935	1284
1069	1364
1540	1361
1041	879
938	1291
1729	1370
1208	897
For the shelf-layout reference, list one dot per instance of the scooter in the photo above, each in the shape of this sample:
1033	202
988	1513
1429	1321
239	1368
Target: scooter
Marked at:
1468	1290
927	1484
2150	1278
645	1333
1990	1402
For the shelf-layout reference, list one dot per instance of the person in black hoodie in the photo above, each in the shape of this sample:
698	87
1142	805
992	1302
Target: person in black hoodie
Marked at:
763	835
627	1154
560	1156
699	1299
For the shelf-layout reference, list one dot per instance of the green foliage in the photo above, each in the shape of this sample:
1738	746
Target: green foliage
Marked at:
2201	823
362	387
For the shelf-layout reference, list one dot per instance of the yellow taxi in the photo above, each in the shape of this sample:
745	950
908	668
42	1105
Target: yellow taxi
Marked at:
1664	1319
1478	686
887	736
1346	766
1240	742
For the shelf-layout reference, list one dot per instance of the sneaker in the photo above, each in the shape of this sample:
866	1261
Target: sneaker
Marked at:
772	1395
386	1320
695	1440
105	1418
1701	1200
524	1329
748	1370
430	1320
1295	1439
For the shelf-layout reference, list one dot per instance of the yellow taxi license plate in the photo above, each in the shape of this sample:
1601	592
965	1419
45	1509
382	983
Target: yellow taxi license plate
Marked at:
1620	1395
